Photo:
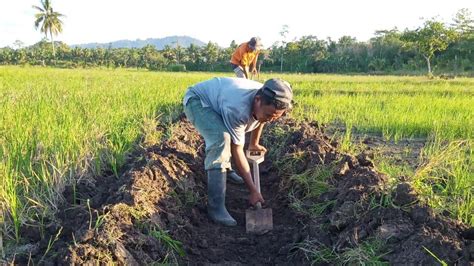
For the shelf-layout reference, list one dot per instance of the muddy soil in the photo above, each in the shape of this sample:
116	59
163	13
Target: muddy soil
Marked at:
127	220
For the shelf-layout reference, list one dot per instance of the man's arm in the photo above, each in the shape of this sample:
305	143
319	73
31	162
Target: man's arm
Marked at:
254	63
247	72
243	169
255	139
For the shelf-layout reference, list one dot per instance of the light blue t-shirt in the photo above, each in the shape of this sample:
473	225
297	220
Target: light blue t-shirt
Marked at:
232	98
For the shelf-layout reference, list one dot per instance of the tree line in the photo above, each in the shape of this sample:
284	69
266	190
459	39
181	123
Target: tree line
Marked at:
434	46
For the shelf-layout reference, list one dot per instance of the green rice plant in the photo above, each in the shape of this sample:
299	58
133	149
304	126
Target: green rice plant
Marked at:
51	243
277	140
287	164
317	253
346	143
397	107
317	209
314	181
11	201
445	178
190	198
369	252
314	209
310	185
59	125
90	213
443	263
2	249
185	198
383	201
174	245
393	169
150	133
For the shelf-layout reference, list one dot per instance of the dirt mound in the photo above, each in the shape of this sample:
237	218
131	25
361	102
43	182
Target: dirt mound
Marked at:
361	209
322	201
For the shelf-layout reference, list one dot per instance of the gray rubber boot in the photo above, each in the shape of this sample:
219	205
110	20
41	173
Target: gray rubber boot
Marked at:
216	183
234	177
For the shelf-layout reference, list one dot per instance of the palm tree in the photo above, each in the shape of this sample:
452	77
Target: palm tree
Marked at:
50	20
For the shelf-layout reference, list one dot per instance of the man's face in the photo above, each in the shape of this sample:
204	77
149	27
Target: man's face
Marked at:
266	113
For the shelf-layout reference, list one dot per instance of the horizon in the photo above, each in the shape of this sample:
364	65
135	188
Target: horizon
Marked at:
144	19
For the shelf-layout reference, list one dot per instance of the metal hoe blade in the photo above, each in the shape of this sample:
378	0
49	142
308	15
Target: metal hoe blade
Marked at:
258	220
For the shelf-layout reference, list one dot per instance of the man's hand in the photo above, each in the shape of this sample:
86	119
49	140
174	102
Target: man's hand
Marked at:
255	198
247	72
243	168
257	147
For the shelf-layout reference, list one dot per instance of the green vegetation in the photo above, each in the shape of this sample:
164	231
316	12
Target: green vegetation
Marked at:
173	245
61	125
49	20
369	252
432	37
397	107
445	178
58	126
442	263
435	46
312	183
405	107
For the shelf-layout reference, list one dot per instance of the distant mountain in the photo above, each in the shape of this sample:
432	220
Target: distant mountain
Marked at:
160	43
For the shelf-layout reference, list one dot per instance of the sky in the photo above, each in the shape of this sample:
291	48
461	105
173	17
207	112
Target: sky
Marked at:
221	21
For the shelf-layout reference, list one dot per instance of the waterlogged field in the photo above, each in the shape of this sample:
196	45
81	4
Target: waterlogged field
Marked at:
61	125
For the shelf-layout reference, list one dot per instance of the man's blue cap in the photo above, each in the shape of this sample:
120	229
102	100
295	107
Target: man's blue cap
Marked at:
280	89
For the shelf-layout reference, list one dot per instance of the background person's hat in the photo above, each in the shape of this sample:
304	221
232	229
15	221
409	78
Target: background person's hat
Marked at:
280	90
255	42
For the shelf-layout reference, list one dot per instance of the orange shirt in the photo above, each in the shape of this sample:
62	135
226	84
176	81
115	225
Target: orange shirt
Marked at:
244	56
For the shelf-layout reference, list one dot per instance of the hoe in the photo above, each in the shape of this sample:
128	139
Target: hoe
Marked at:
258	220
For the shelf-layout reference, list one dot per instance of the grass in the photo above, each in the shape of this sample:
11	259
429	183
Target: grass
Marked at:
441	262
369	252
174	246
51	243
304	186
445	179
58	126
396	107
393	168
314	181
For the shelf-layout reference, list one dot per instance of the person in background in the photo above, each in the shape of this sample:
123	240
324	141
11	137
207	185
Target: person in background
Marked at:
244	59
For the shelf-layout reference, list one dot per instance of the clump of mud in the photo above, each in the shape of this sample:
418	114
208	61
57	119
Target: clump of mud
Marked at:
155	211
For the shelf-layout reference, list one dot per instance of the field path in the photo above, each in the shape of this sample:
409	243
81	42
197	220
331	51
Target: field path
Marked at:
211	243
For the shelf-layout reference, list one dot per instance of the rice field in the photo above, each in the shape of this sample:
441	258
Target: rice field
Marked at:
59	125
